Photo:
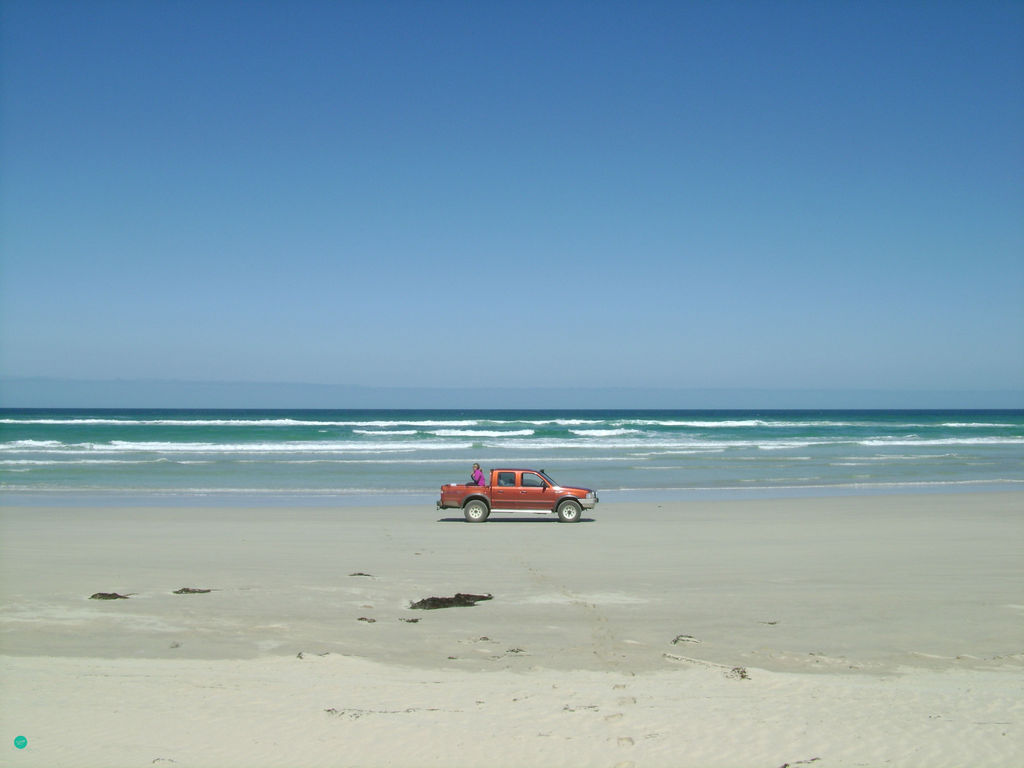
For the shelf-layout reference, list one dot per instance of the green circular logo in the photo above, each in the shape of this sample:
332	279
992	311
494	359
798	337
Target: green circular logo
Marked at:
20	742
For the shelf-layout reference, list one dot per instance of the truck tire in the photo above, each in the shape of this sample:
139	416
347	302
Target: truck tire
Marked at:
475	511
569	511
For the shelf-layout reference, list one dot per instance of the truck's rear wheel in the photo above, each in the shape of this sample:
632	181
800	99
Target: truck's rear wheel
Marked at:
569	511
475	511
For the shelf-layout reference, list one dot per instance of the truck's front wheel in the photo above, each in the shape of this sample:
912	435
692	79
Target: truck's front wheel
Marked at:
569	511
475	511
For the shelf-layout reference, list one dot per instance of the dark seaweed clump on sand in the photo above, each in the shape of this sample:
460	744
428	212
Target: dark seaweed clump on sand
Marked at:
459	600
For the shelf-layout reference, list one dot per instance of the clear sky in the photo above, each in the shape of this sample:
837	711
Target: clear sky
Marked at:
710	195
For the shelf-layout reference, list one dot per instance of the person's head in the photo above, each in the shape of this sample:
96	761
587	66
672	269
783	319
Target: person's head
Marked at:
476	466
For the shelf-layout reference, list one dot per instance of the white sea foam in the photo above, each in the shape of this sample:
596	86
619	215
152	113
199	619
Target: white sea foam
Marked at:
771	459
605	432
68	422
660	443
326	446
562	422
736	423
23	445
482	433
494	461
973	425
926	441
130	422
515	440
62	463
612	450
697	424
898	457
401	423
677	452
384	432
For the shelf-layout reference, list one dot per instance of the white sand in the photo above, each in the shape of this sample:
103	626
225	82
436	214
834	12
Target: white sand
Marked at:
860	631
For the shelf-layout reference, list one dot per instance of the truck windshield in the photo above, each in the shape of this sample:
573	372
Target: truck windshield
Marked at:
547	477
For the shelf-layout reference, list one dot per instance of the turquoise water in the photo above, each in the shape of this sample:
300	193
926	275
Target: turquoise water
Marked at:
404	456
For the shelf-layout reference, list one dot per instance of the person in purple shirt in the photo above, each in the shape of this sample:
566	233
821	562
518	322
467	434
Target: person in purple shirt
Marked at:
478	476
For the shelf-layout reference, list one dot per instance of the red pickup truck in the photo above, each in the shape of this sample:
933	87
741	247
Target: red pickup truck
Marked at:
518	490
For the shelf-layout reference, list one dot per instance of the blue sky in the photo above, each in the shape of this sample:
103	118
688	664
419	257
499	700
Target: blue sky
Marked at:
730	195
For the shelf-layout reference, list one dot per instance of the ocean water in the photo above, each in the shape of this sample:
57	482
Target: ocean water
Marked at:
403	456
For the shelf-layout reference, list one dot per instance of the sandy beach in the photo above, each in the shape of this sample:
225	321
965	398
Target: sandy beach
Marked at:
839	631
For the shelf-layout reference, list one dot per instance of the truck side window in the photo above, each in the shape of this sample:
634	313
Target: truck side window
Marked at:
506	479
531	480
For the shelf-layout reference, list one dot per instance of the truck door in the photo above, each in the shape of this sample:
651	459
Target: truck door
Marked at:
534	493
505	491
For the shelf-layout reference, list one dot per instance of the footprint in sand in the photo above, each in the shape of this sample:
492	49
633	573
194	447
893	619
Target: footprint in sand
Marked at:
627	701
